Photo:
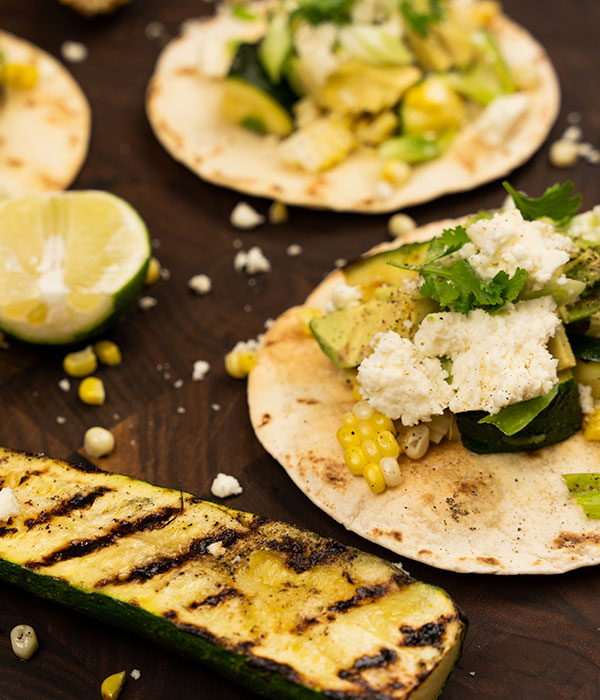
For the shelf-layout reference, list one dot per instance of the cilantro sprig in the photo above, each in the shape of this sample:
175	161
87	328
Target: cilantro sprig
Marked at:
318	11
455	285
556	203
420	21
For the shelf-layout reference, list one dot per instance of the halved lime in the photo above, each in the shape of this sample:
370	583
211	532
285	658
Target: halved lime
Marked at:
70	262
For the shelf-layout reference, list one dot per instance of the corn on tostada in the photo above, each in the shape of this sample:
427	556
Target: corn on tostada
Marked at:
356	105
436	408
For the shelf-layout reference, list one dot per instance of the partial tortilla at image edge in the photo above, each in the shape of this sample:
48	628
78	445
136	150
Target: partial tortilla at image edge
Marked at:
183	107
45	130
454	509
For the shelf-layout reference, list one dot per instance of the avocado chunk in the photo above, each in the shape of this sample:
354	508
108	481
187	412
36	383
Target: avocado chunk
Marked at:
555	423
585	267
560	348
345	335
374	269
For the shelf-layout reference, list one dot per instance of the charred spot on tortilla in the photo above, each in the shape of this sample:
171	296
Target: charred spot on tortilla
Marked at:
573	540
265	420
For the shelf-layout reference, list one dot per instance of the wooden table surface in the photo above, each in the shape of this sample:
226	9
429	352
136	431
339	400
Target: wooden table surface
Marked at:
529	638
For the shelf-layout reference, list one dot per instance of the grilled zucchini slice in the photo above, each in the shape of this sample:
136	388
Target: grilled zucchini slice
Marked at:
251	100
283	611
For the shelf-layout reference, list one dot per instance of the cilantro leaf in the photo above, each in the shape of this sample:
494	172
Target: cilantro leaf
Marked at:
318	11
556	203
451	240
420	21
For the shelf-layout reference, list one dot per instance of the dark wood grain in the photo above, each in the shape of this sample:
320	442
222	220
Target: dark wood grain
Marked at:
529	638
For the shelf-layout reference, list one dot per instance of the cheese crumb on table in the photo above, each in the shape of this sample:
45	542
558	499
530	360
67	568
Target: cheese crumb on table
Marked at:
154	30
225	485
251	261
246	217
135	674
146	303
74	51
9	506
293	250
200	284
64	384
200	370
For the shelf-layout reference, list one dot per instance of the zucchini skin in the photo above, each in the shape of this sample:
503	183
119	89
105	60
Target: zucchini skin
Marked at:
555	423
302	551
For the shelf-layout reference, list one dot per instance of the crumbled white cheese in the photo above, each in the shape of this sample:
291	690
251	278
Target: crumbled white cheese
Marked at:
225	485
497	360
586	225
200	284
74	51
269	323
178	383
61	420
154	30
293	250
136	674
396	380
340	262
344	296
499	118
586	398
146	303
216	549
246	217
64	384
215	406
507	241
252	261
9	506
563	153
181	410
315	48
201	368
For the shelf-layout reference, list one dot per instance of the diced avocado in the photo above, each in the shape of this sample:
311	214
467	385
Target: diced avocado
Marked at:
251	100
560	348
411	148
585	267
345	335
374	270
581	309
555	423
430	50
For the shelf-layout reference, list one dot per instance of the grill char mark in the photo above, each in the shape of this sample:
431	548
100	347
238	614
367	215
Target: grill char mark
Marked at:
213	600
68	505
301	556
80	548
7	531
429	634
362	593
196	549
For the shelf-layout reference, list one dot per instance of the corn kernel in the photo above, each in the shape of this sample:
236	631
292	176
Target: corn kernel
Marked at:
591	430
382	422
108	352
356	460
396	171
349	418
278	213
387	444
239	363
564	153
391	471
371	450
347	436
305	315
365	430
153	272
24	641
91	391
374	477
362	410
82	363
112	686
20	76
400	225
98	442
356	392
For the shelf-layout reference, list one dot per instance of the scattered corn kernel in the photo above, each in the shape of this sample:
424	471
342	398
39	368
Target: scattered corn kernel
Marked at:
20	76
81	363
347	436
91	391
391	471
356	460
278	213
591	431
112	686
305	315
240	361
108	352
401	224
23	640
98	442
374	477
153	272
416	442
564	153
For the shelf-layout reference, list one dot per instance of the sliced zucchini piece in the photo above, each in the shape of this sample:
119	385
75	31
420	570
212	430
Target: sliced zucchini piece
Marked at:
251	100
555	423
281	610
